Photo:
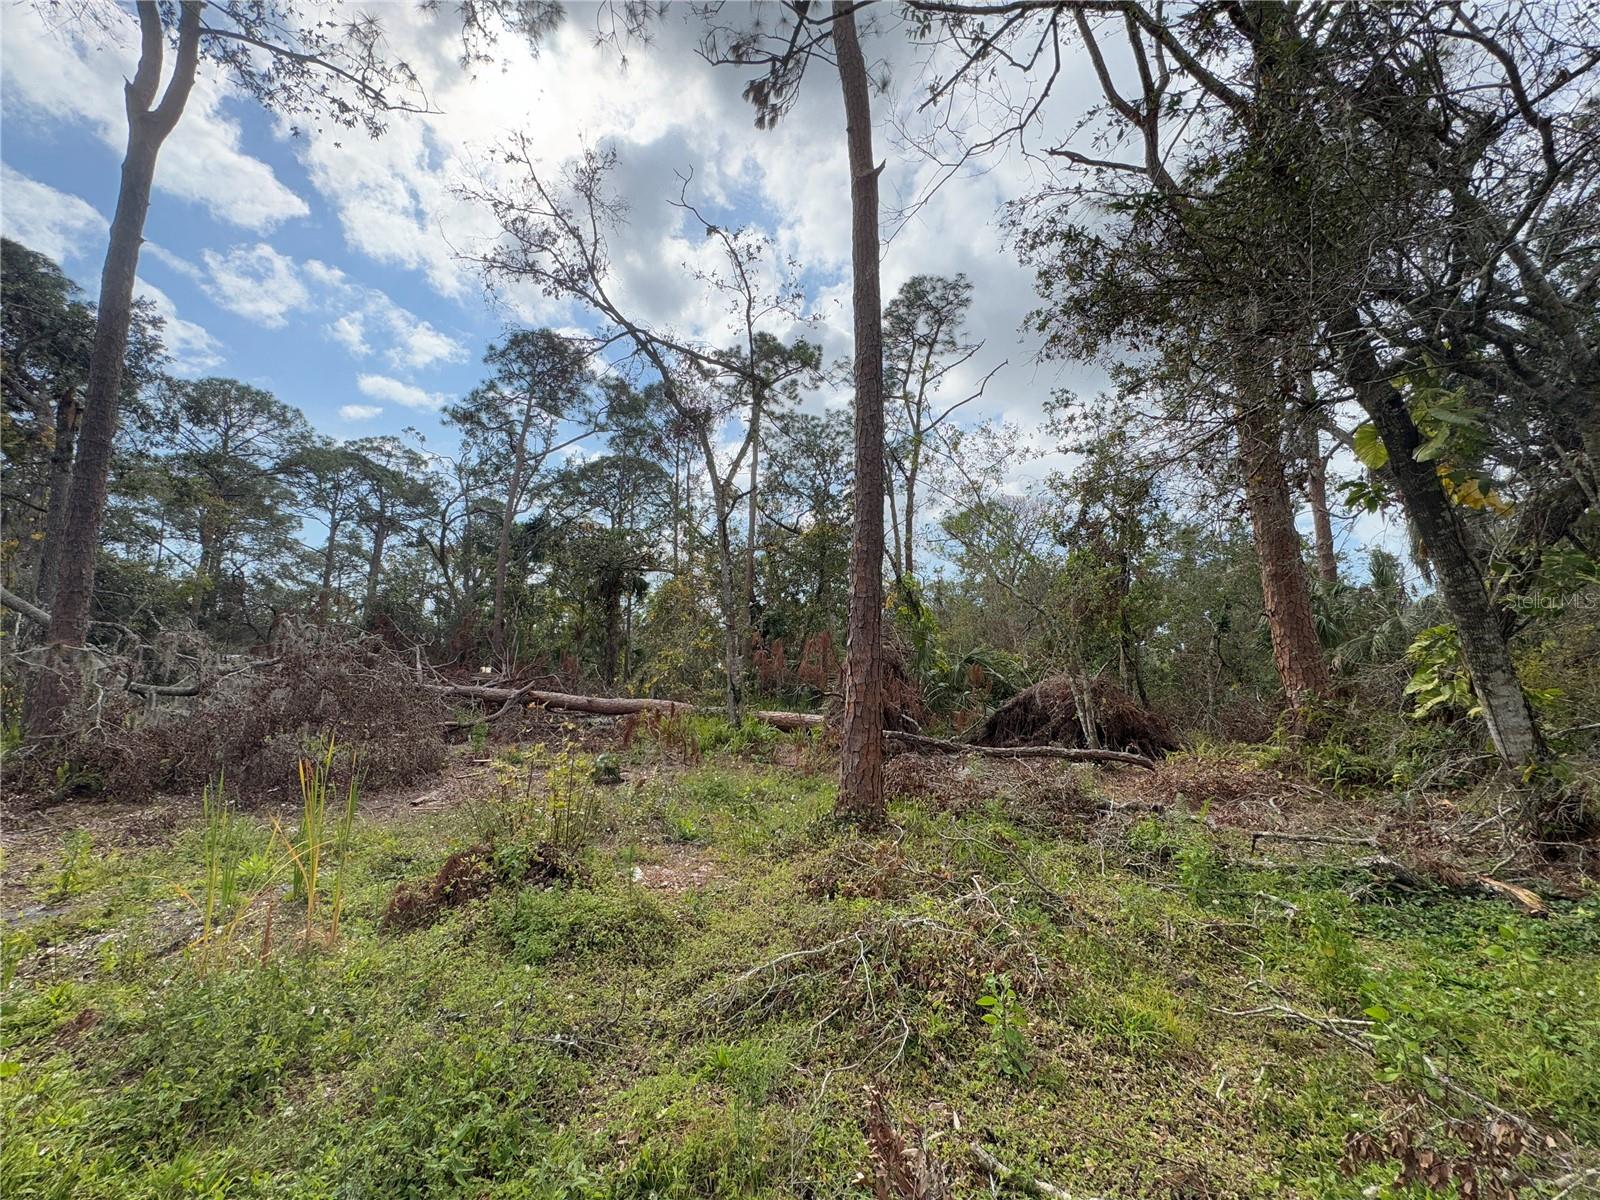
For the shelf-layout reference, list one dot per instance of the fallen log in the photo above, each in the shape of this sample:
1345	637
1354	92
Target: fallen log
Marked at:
1529	902
1069	754
1441	880
622	706
1310	838
614	706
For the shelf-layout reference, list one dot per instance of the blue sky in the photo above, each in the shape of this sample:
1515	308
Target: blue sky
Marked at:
284	341
324	267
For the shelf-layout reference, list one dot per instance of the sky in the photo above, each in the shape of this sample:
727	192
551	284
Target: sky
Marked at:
326	266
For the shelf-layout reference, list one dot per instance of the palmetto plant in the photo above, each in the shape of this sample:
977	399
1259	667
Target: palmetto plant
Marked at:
1372	623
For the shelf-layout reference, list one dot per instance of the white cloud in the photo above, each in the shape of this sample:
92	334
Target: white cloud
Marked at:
349	331
419	344
256	282
382	387
369	312
359	412
194	351
68	229
173	262
58	225
668	112
74	69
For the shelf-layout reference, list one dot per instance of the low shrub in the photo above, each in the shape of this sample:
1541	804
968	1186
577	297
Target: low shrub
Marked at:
540	925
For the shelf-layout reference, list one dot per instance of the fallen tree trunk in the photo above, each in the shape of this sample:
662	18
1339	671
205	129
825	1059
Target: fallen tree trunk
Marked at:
616	706
1069	754
621	706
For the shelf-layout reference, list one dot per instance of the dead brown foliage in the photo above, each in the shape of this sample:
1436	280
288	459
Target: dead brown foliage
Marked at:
873	870
1484	1169
1219	784
1047	714
1039	794
255	725
770	661
818	664
903	706
902	1166
465	875
935	781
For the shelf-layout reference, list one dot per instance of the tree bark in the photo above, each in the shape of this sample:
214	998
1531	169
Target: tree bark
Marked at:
380	534
756	404
67	416
918	741
731	623
861	797
912	470
621	706
616	706
329	558
53	687
508	518
1321	515
1512	727
1296	652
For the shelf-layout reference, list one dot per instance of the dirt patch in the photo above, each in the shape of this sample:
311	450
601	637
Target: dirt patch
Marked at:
38	842
1046	714
81	1024
682	869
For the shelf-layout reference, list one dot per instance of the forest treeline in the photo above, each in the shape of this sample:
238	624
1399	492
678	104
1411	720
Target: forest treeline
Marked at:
1339	260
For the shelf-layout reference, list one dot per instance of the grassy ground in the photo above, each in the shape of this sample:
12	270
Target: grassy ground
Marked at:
692	997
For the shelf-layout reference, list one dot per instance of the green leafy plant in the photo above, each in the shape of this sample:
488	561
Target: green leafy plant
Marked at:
682	829
565	814
221	884
77	862
1008	1024
1439	681
572	807
1401	1034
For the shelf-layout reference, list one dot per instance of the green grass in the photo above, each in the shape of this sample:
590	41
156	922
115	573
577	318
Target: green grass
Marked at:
591	1037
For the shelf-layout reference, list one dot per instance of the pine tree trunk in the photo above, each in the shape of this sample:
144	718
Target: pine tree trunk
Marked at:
67	415
53	687
1512	727
374	573
1317	485
750	531
1296	652
1321	515
733	667
911	505
861	796
329	558
502	550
